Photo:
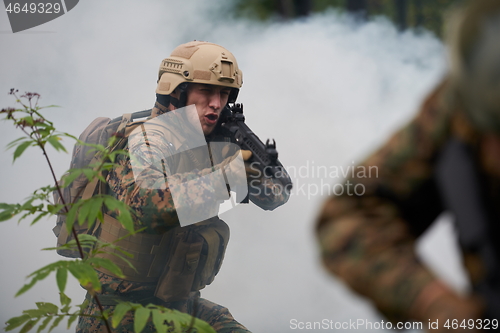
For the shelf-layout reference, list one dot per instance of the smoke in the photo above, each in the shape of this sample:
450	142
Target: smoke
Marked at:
327	89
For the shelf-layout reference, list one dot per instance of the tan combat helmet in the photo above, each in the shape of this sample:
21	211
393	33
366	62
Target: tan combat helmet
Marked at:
473	38
199	62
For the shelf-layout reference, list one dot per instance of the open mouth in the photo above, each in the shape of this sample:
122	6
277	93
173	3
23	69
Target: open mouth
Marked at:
212	116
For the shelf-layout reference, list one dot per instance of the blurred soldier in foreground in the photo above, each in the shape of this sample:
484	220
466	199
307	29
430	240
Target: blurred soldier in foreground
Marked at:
446	158
169	169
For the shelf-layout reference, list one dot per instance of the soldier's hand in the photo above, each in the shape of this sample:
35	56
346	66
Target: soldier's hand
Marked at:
246	154
232	168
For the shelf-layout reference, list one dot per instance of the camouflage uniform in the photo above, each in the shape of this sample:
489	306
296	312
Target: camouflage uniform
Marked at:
215	315
368	240
153	208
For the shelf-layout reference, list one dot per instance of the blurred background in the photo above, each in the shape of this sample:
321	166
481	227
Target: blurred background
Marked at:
423	14
328	80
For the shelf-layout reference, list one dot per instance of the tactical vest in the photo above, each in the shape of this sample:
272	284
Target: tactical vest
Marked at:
180	261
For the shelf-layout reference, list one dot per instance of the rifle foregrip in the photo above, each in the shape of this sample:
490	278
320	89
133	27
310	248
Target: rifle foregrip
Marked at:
266	158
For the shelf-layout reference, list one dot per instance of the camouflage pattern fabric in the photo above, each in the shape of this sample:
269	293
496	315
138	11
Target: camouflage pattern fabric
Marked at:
215	315
153	208
368	240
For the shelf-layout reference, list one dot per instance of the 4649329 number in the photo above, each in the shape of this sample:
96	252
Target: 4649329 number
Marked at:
32	8
484	324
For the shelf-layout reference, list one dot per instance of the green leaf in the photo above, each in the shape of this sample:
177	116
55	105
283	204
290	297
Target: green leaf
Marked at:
28	204
54	141
84	305
9	211
45	126
126	220
70	217
118	255
106	314
160	320
89	173
83	212
56	323
29	325
70	176
87	238
4	205
65	300
120	310
66	308
28	120
33	281
112	203
14	143
71	319
108	166
43	132
141	317
94	209
20	149
107	264
36	219
49	106
86	241
202	326
47	308
55	209
69	136
16	322
5	216
100	216
85	275
62	278
124	217
41	274
44	324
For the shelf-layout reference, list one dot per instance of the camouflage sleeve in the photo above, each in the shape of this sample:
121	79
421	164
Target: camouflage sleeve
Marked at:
367	235
140	180
267	193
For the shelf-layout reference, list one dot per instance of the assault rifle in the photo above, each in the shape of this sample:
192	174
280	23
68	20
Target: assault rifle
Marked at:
265	155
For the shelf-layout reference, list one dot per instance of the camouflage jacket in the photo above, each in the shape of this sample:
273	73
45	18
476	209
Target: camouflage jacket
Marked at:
149	194
152	204
368	240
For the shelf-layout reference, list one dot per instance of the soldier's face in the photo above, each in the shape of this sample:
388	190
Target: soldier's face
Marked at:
209	101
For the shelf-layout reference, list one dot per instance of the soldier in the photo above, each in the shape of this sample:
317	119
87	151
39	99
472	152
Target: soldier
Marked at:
447	157
173	263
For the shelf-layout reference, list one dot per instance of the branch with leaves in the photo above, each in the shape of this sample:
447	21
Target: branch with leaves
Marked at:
40	132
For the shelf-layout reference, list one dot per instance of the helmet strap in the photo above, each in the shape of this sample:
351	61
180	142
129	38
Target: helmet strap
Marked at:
162	102
181	92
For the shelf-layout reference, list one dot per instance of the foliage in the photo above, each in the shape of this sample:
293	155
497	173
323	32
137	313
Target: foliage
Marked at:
426	14
40	132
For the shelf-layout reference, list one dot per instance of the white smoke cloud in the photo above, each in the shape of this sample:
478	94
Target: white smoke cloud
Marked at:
328	90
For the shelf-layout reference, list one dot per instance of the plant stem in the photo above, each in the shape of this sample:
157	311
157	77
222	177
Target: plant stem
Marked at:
73	230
